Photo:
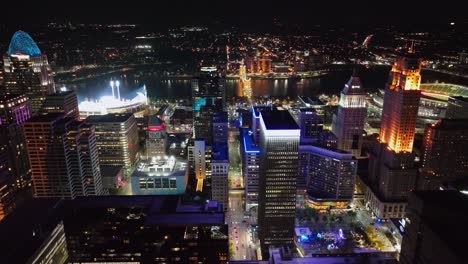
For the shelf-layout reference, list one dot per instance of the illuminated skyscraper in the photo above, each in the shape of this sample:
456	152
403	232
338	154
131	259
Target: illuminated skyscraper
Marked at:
117	139
245	83
63	157
392	173
279	143
156	138
14	111
27	70
348	124
62	102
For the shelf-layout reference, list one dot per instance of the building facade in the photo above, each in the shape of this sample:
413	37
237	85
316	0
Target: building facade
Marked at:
63	157
62	102
117	139
159	176
250	168
330	176
457	107
219	174
311	124
144	229
444	154
27	71
14	111
156	138
348	124
392	173
279	143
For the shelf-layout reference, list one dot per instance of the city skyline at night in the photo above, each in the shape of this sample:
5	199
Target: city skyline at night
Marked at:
255	132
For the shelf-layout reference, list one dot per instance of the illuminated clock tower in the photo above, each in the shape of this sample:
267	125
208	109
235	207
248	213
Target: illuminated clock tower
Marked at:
392	174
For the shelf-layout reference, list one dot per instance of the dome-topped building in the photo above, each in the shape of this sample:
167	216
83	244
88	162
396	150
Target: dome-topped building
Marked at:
27	71
22	43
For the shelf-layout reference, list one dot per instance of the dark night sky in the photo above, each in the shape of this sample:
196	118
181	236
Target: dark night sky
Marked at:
233	12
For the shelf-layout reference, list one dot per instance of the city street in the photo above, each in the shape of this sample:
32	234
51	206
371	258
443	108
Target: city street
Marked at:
242	247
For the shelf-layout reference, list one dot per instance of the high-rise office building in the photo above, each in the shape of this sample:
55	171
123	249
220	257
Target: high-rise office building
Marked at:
256	121
348	124
219	173
7	202
117	139
203	124
311	124
434	227
208	97
330	175
220	127
279	142
15	110
209	88
156	138
392	173
62	102
199	158
27	71
250	168
457	107
63	157
444	154
144	229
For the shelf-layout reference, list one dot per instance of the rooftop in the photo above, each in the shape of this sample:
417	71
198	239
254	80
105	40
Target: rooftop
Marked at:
46	118
450	124
460	98
109	118
220	117
249	147
61	94
159	166
9	97
220	152
276	120
154	209
22	43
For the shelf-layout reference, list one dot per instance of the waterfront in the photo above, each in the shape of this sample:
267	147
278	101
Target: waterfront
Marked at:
373	78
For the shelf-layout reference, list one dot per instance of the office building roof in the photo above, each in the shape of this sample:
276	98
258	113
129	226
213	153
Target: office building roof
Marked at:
220	116
109	118
247	137
151	209
46	118
220	152
276	120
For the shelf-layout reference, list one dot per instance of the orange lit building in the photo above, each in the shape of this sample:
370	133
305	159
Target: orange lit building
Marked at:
392	174
245	83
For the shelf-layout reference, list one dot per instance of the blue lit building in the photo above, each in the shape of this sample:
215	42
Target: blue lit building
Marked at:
27	71
159	176
250	167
